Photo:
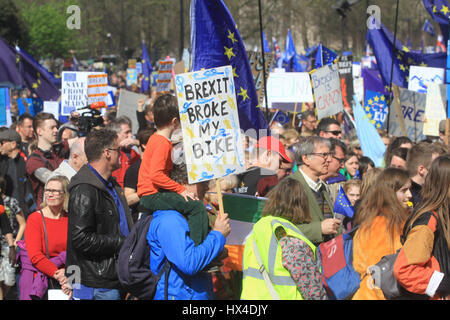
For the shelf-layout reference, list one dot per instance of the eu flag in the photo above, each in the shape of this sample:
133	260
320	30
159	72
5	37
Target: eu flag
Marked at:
342	205
265	43
146	69
428	27
8	67
216	42
36	78
289	53
439	10
381	40
280	117
324	56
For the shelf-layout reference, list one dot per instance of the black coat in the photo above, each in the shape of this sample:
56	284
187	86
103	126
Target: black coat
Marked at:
94	238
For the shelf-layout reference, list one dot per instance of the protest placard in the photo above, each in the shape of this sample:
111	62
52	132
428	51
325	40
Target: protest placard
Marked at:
52	107
421	77
80	89
209	117
132	76
376	108
256	63
327	90
436	102
128	102
164	76
284	89
413	108
345	67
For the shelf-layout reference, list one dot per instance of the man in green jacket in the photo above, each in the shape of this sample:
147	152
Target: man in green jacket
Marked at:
313	157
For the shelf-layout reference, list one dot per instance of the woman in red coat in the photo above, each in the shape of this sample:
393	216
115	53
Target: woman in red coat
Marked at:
54	211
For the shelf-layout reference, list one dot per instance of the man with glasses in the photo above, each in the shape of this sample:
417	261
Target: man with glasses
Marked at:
99	219
309	123
329	128
333	178
313	156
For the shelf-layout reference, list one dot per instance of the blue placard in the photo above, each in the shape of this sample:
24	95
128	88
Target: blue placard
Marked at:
376	108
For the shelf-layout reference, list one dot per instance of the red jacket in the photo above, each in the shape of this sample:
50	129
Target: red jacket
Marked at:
125	163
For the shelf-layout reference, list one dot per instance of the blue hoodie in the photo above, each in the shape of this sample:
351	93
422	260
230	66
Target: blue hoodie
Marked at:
168	237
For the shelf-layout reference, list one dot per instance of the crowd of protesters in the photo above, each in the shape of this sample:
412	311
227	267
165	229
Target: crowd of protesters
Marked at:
72	201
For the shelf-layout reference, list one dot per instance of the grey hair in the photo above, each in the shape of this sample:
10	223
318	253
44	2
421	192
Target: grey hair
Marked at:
308	145
77	147
116	123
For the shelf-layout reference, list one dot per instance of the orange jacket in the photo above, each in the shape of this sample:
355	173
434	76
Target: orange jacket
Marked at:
155	167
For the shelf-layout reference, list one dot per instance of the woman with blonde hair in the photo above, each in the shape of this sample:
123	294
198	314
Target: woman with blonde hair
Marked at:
381	216
278	248
44	256
423	264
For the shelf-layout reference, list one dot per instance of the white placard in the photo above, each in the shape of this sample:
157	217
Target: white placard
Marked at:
327	91
436	103
128	103
78	89
421	77
57	294
52	107
209	117
289	87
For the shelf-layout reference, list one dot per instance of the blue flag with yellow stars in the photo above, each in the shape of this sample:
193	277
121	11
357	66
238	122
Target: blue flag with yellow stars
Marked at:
376	108
146	69
266	44
439	10
280	117
36	78
8	67
381	40
342	205
216	42
324	56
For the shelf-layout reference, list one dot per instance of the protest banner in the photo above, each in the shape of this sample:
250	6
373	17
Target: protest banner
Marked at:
29	105
421	77
412	106
164	76
128	102
243	211
80	89
327	90
256	63
376	108
435	108
285	89
4	105
132	76
345	68
52	107
209	118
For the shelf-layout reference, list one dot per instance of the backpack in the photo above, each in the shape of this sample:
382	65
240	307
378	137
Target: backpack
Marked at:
339	277
133	266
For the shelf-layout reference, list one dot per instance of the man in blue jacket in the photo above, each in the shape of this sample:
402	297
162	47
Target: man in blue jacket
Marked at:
169	239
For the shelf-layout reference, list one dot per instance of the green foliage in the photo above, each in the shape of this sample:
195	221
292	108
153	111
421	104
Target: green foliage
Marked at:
48	32
12	27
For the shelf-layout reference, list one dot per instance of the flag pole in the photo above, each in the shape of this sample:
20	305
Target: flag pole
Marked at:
263	59
394	50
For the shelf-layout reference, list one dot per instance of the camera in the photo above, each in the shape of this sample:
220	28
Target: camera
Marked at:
90	119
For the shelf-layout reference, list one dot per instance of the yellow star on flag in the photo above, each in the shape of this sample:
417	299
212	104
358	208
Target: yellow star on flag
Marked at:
376	99
402	67
423	64
234	73
143	60
370	101
367	108
231	36
406	49
444	10
434	9
243	94
229	52
382	98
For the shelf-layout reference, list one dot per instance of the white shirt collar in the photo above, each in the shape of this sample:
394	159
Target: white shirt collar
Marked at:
311	183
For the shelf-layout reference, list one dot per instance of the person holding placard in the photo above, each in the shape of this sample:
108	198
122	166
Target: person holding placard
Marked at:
155	187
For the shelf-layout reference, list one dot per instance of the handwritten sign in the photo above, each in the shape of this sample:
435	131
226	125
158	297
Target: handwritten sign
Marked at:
288	87
79	89
327	91
164	76
421	77
413	108
435	108
256	63
210	124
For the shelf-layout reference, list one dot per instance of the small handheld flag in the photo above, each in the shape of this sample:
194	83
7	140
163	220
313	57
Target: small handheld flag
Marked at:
342	204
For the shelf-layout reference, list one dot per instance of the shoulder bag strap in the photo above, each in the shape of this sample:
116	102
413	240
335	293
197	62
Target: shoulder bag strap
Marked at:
264	273
50	280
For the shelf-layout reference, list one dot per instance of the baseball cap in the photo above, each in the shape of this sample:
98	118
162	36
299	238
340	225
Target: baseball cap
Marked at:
273	144
10	135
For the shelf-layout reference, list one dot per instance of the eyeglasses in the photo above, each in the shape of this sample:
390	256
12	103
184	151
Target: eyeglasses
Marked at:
323	154
341	161
52	191
335	132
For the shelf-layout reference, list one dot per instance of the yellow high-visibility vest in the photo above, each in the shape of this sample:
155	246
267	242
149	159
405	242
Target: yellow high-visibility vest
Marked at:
269	280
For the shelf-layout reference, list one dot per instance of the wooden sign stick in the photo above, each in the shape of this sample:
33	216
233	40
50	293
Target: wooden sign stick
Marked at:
293	117
219	197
